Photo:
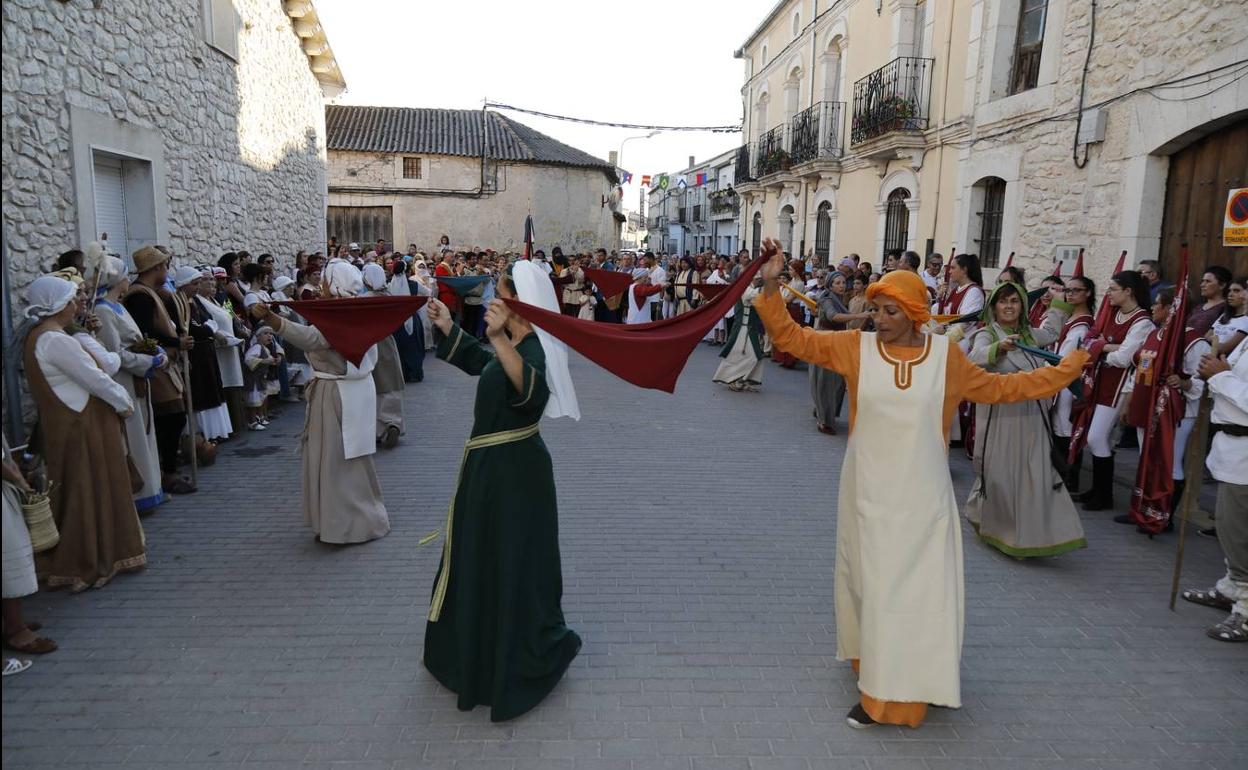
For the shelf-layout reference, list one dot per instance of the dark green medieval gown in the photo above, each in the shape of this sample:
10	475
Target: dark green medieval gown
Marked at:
496	634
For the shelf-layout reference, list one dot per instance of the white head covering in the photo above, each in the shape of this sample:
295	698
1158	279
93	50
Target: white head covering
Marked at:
48	295
186	275
110	271
374	277
533	287
282	282
344	278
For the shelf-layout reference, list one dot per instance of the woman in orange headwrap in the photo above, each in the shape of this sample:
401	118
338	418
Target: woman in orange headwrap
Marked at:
899	602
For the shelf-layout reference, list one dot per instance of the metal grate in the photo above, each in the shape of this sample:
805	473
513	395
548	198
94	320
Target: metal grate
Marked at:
896	221
823	232
816	132
990	220
893	98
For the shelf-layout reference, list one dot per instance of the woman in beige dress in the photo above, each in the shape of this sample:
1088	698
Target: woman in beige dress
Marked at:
388	374
341	493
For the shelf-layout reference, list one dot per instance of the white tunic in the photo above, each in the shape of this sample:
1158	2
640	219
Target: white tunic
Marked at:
899	600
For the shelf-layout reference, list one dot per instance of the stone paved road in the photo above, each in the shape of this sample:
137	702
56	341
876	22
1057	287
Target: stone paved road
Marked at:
697	534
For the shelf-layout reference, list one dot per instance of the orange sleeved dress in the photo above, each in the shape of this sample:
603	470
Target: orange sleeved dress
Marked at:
899	585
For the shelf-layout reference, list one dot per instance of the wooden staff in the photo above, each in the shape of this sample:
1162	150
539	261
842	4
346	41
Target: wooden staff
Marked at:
798	295
1193	472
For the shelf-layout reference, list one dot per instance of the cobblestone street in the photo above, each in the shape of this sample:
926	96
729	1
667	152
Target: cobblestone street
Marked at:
697	534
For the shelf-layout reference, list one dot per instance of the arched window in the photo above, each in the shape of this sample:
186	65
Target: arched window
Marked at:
786	229
897	221
991	214
823	232
756	234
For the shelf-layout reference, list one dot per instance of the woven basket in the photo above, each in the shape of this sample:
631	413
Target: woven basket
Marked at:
37	510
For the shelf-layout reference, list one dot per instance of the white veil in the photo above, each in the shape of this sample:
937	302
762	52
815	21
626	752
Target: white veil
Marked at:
533	287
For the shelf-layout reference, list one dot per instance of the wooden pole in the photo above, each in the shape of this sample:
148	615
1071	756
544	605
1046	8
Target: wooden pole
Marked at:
190	416
1193	471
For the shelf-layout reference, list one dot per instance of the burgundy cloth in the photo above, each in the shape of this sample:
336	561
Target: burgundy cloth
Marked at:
650	355
1085	405
1162	408
353	325
609	282
710	290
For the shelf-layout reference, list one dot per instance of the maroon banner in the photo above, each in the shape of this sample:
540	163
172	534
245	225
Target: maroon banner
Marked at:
649	355
1154	478
609	282
353	325
710	290
1081	418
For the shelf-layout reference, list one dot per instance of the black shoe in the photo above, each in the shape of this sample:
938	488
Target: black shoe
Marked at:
1102	497
1208	531
859	719
390	438
1123	518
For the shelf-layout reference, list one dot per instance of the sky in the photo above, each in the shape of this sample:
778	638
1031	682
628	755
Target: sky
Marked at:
653	62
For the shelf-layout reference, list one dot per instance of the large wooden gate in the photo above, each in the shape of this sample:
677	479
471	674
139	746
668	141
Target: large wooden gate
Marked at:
360	224
1196	189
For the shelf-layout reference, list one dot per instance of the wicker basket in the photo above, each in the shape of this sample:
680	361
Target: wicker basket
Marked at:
37	510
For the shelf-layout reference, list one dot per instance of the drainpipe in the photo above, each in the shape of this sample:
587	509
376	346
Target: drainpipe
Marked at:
944	106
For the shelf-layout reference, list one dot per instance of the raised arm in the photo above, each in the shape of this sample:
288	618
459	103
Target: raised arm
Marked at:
1051	325
307	338
975	384
831	350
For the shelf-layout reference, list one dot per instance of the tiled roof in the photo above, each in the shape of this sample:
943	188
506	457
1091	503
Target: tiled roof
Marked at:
446	132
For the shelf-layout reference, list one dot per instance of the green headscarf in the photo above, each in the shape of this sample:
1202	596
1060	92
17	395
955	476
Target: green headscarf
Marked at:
1023	330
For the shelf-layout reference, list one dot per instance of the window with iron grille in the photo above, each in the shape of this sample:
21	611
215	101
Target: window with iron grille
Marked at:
1027	45
823	232
896	221
411	168
990	221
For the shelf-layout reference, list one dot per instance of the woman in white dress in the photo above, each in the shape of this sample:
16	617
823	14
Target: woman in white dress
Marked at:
120	335
19	578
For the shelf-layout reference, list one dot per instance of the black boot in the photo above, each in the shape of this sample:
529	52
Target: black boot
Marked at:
1175	499
1102	493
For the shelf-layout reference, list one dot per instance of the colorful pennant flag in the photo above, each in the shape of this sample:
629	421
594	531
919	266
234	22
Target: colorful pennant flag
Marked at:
663	181
645	180
681	183
625	177
700	180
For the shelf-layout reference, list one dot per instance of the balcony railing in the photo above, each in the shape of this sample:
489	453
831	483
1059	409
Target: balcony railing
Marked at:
816	132
723	204
772	153
744	170
893	98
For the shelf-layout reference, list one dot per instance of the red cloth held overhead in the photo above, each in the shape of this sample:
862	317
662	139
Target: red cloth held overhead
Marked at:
709	290
355	324
649	355
609	282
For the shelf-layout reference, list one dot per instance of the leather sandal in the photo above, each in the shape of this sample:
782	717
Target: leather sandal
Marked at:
40	645
1209	598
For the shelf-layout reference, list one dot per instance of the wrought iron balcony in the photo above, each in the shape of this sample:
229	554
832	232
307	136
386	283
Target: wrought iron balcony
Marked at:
772	152
723	204
816	132
743	172
893	98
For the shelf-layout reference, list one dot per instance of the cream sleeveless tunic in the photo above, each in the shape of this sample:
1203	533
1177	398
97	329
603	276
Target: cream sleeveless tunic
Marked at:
899	601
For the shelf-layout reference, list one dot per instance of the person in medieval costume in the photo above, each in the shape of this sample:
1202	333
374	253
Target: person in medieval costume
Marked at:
1080	293
639	297
496	634
388	374
92	492
686	276
341	492
212	415
1018	503
827	388
410	336
227	341
742	367
119	334
898	580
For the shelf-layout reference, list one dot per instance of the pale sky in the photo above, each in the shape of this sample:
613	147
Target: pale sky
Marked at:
654	62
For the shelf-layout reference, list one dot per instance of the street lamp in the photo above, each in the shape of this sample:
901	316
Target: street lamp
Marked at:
619	157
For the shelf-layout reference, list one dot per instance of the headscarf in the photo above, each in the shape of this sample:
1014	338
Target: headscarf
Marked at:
534	287
399	287
344	278
907	290
185	275
48	295
110	272
70	274
374	277
990	321
283	282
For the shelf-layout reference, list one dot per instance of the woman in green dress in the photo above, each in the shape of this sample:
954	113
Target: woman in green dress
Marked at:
496	634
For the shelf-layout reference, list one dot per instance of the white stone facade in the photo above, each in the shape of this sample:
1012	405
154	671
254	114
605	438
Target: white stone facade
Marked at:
566	202
218	151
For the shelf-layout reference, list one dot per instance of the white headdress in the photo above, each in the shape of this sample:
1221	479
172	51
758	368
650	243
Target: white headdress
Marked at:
374	277
534	287
48	295
344	278
185	276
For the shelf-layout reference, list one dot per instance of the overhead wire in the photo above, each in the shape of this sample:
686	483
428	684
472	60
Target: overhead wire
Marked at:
610	124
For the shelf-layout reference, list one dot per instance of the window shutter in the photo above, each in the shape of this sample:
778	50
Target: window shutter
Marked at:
110	205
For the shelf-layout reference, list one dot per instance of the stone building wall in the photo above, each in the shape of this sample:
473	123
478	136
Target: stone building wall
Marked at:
565	201
236	148
1115	202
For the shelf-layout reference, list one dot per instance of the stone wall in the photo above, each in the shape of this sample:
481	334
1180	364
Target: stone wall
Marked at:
565	202
240	145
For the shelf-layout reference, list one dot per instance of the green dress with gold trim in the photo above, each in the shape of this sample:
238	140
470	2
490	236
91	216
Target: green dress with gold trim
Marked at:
496	634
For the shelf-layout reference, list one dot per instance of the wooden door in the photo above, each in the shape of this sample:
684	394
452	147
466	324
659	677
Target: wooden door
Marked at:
1200	176
360	224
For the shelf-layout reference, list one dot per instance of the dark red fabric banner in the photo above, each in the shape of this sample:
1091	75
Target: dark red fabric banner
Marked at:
649	355
710	290
354	325
609	282
1081	418
1154	477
